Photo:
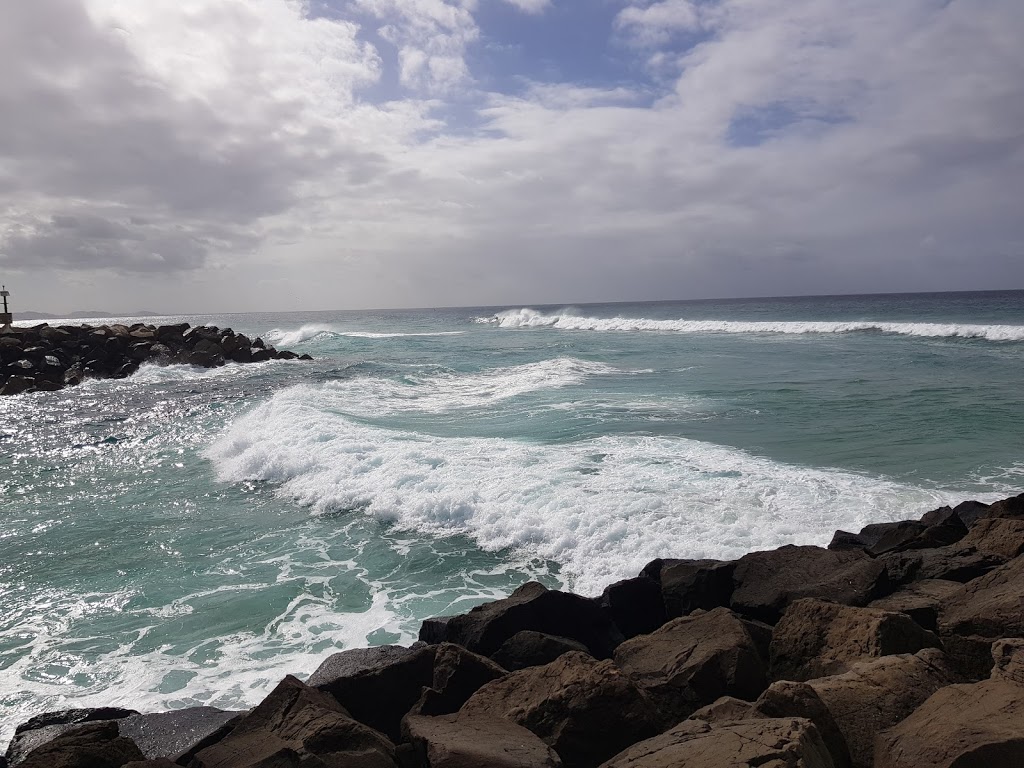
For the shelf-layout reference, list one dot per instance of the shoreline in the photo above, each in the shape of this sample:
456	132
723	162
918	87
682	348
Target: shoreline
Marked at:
688	658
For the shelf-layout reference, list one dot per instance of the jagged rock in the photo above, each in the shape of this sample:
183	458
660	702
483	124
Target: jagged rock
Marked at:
168	734
879	693
477	742
920	600
815	638
727	709
43	728
687	585
695	659
978	725
635	605
1008	655
781	742
91	745
458	674
766	582
15	385
946	563
159	762
298	726
533	606
1011	508
1000	536
586	710
378	686
533	649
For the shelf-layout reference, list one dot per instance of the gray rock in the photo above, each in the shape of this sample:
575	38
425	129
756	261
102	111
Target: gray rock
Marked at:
474	742
533	649
168	734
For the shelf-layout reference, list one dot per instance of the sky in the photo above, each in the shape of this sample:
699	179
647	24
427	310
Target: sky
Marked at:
242	155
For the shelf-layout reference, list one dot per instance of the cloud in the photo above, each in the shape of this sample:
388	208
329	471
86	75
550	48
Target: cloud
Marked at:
530	6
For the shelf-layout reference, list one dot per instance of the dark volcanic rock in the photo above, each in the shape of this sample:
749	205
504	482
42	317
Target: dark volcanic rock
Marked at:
91	745
946	563
458	674
695	659
171	733
585	709
298	726
815	638
766	582
43	728
378	686
687	585
635	605
533	649
533	606
477	742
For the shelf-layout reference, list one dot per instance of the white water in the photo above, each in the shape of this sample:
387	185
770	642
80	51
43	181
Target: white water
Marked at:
311	332
529	318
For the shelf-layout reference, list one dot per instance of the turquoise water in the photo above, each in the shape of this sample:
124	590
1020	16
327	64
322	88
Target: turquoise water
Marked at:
187	537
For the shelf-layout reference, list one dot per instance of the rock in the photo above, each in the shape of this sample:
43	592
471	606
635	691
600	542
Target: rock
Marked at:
378	686
159	762
91	745
815	638
946	563
766	582
458	674
49	725
879	693
695	659
585	709
775	743
305	357
635	605
533	606
979	725
970	511
725	710
1008	655
533	649
298	725
259	354
785	698
15	385
171	733
920	600
988	608
687	585
171	332
1011	508
477	742
1000	536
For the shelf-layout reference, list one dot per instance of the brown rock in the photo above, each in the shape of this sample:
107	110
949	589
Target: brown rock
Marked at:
920	600
687	585
725	710
585	709
458	674
776	743
785	698
1008	655
1012	508
815	638
946	563
635	605
534	649
298	725
695	659
92	745
766	582
877	694
168	734
475	742
996	536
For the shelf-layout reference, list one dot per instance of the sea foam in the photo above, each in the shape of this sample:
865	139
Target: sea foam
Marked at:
601	507
529	318
288	338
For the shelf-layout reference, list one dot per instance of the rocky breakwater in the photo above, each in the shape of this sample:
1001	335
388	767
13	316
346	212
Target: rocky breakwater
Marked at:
900	646
48	358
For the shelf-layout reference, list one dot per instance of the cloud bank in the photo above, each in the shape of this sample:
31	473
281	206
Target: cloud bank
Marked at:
359	153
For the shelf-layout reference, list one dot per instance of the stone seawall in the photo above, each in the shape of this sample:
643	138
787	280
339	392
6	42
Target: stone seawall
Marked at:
48	358
899	646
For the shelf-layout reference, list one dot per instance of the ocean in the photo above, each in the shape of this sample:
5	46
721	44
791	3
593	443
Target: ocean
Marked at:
186	537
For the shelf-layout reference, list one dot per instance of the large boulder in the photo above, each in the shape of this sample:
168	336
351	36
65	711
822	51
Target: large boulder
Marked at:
979	725
775	743
586	710
635	605
687	585
92	745
1011	508
458	674
168	734
475	742
999	536
815	638
46	727
952	563
297	726
879	693
920	600
533	649
695	659
766	582
377	686
532	606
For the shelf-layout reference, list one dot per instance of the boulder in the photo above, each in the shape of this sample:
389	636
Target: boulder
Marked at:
1008	655
978	725
91	745
585	709
42	728
920	600
776	743
532	606
474	742
877	694
815	638
168	734
533	649
15	385
695	659
766	582
946	563
1011	508
1000	536
377	686
298	725
458	674
635	605
725	710
687	585
970	511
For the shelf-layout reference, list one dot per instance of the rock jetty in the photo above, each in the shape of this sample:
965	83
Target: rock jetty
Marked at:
47	358
899	646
